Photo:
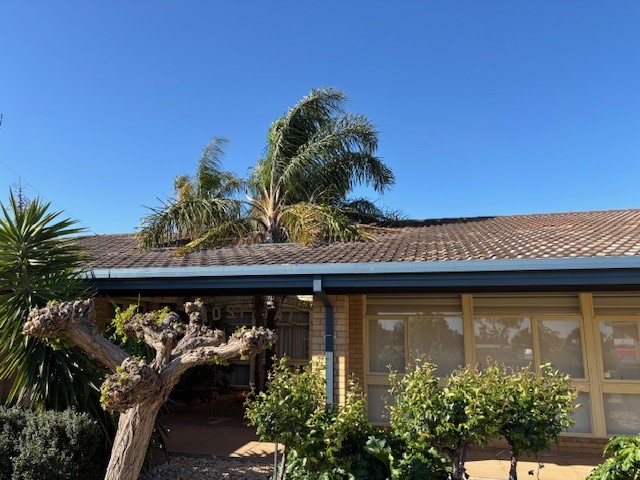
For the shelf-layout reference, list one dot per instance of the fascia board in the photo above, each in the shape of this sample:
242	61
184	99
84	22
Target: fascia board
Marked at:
350	269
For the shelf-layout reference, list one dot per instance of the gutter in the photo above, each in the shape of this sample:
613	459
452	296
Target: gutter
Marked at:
319	292
441	266
372	277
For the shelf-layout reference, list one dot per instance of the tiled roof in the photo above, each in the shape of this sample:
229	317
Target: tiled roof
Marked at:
558	235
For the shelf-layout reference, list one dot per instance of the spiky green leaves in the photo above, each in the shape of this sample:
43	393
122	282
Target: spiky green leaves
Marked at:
39	263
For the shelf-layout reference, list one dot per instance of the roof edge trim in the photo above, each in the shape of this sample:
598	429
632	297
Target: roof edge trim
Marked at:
442	266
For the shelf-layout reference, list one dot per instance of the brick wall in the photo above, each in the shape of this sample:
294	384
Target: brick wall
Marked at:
586	446
356	338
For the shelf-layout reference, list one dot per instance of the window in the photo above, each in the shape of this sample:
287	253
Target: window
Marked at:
522	330
622	413
505	340
582	415
620	344
386	346
293	335
439	340
560	344
378	397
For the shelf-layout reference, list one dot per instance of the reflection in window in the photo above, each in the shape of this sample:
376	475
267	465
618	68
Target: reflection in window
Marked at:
561	345
622	413
505	340
620	350
582	415
378	397
386	346
293	335
439	341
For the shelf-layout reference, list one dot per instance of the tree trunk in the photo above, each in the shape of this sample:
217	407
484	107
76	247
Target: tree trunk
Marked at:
513	473
132	439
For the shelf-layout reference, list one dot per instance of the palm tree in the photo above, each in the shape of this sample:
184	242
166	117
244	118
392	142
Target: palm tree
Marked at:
316	153
199	204
38	263
298	192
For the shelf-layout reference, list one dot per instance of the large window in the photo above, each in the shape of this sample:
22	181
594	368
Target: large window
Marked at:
514	330
396	343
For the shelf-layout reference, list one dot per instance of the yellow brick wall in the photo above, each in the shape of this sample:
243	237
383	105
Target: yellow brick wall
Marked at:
582	446
356	338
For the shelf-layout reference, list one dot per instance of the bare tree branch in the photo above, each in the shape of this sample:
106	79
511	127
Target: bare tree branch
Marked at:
75	321
138	389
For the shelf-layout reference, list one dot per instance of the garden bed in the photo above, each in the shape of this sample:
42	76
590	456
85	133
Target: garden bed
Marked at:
199	468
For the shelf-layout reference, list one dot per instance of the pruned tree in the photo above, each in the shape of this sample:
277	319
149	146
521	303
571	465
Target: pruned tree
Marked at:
137	388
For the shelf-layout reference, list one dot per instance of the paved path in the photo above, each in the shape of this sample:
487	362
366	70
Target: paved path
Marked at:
221	431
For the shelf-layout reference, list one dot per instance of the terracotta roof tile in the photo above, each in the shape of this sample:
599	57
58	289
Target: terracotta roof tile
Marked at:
556	235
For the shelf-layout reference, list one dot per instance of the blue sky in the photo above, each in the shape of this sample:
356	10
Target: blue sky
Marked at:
483	107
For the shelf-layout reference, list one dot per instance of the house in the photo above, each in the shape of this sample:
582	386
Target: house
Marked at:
521	289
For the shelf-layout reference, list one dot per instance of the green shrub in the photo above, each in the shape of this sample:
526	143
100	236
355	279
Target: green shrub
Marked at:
12	422
535	409
623	462
403	463
56	446
327	442
449	417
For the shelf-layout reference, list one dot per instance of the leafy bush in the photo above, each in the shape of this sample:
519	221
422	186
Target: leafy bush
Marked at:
534	410
623	462
12	423
451	417
327	442
402	463
52	445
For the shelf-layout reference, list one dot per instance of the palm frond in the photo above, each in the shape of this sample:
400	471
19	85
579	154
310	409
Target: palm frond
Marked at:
363	210
200	203
183	221
312	224
210	179
230	232
338	156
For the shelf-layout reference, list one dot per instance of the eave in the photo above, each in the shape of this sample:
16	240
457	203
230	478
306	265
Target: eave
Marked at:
546	274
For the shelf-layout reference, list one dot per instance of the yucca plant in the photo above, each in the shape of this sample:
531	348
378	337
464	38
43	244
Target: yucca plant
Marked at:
38	263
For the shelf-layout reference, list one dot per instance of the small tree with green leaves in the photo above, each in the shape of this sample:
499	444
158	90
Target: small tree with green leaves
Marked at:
623	462
323	441
535	409
451	417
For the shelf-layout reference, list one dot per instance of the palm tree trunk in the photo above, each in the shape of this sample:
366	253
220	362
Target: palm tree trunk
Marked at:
132	438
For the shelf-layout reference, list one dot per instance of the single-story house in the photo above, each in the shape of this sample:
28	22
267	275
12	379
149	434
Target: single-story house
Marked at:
562	287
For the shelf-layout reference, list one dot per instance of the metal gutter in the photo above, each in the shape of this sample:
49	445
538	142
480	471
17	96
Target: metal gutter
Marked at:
319	292
392	277
442	266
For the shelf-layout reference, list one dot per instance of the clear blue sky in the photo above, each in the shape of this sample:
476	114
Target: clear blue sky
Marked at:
483	107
